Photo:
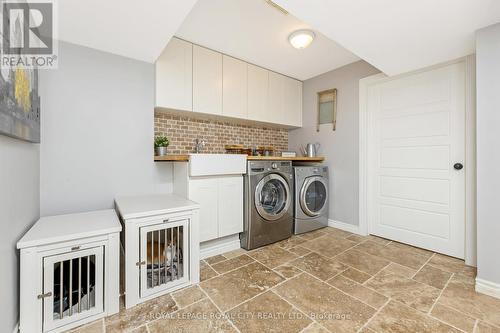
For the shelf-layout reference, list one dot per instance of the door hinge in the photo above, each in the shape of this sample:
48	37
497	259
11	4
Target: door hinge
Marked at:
42	296
140	263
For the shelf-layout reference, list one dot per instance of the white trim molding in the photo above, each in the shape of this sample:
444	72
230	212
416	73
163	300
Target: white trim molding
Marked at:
488	288
219	246
470	152
345	226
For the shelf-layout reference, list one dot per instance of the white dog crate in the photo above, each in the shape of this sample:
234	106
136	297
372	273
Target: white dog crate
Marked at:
69	271
161	244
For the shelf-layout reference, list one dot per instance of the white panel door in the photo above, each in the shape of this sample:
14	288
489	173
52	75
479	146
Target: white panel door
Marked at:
230	205
258	86
174	76
207	80
293	102
276	98
416	135
234	87
204	191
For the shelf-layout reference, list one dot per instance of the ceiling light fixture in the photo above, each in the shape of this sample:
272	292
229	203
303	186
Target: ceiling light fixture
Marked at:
301	39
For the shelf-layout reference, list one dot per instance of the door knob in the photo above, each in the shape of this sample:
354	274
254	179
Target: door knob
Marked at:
458	166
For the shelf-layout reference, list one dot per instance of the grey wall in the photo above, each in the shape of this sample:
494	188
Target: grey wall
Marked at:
19	209
340	147
97	132
488	156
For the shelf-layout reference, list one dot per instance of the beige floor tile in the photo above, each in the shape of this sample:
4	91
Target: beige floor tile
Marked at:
412	293
233	263
452	265
453	317
142	329
290	242
337	232
406	247
232	288
287	270
188	296
215	259
128	319
483	327
268	313
400	270
319	266
400	256
433	276
398	318
330	307
366	330
378	240
299	250
356	275
459	294
358	291
362	261
234	253
94	327
202	316
312	234
357	238
328	245
272	256
315	328
206	272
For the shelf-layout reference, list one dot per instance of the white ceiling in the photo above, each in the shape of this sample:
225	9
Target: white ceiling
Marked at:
131	28
255	32
398	36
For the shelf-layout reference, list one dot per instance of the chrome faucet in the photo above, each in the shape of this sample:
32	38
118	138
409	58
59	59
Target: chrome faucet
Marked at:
199	144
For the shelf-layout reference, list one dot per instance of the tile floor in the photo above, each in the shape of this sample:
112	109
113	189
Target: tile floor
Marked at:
327	280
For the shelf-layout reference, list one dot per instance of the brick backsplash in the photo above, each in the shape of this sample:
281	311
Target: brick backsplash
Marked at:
182	132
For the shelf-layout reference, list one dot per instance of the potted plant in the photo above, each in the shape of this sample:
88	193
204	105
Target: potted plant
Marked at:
161	144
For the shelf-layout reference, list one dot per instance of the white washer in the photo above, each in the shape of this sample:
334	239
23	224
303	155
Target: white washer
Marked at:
311	198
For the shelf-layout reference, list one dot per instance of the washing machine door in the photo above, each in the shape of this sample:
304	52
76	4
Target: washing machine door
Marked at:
314	196
272	197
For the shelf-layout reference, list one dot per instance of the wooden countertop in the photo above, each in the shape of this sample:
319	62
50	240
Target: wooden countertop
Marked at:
185	158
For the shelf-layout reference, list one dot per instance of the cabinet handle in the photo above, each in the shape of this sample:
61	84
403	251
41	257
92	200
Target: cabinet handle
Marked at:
74	248
166	220
140	263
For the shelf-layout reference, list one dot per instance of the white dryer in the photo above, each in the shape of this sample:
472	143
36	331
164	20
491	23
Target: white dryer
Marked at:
311	198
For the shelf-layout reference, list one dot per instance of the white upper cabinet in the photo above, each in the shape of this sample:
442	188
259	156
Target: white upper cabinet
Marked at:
207	80
258	88
293	102
174	76
193	78
276	98
234	87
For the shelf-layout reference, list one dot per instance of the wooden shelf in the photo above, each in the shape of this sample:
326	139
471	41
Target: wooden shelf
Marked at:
185	158
172	158
293	159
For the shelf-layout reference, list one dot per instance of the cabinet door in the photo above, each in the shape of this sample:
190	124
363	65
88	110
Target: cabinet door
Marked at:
204	191
293	102
230	205
258	85
207	80
276	99
234	87
174	76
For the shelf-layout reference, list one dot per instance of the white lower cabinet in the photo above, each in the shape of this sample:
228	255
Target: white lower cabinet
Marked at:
220	198
204	192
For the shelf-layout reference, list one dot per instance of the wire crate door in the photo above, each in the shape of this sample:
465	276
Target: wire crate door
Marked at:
72	287
164	253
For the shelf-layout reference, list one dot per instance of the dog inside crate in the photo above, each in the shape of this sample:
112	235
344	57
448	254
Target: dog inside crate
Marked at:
74	286
164	255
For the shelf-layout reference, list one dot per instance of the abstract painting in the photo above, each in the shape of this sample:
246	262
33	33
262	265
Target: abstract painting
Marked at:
20	103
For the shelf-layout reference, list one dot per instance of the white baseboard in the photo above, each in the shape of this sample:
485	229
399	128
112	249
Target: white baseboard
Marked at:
219	246
344	226
488	288
16	328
